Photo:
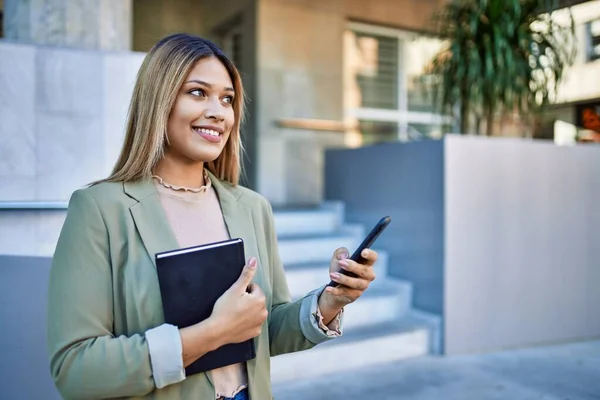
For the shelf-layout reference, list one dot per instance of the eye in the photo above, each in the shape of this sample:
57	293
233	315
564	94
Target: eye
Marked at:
228	99
197	92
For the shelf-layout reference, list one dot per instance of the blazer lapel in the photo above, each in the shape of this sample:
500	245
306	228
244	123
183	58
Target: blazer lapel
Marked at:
150	219
237	216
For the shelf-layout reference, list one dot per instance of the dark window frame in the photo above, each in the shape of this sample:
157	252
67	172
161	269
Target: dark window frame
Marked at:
593	41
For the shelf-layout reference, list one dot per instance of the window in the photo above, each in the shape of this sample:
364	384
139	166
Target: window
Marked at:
232	45
593	39
386	86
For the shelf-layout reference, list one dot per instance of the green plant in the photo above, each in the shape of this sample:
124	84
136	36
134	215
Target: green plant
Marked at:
502	56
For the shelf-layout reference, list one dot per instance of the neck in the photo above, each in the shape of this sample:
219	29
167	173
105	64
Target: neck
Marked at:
180	173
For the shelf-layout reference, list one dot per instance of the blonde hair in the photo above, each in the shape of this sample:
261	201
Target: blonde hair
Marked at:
158	82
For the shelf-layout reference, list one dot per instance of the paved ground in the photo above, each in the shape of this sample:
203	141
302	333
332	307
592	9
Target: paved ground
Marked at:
562	372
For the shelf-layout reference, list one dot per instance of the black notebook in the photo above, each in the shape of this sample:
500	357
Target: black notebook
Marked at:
191	280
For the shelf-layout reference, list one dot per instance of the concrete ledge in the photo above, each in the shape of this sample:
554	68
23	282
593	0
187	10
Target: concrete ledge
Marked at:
33	205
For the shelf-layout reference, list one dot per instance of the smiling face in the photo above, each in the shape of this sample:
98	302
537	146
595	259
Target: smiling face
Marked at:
202	117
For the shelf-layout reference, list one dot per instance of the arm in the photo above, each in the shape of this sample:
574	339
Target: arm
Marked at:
293	326
200	339
87	361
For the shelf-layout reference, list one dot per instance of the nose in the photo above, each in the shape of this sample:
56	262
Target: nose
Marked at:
214	111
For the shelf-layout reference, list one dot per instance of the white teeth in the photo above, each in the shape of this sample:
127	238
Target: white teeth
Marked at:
208	131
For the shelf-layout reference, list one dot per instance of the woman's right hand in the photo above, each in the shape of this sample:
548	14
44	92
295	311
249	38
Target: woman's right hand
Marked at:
237	316
241	310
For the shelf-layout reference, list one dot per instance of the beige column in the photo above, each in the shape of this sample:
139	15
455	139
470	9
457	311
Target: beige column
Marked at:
82	24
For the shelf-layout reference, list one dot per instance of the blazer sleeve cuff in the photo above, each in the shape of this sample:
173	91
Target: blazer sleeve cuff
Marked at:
311	321
164	345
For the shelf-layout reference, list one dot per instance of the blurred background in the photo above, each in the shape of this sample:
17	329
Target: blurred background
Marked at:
474	124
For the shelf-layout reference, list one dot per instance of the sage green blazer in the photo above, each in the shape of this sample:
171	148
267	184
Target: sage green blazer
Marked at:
104	293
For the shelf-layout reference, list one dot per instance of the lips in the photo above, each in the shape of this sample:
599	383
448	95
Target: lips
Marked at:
211	134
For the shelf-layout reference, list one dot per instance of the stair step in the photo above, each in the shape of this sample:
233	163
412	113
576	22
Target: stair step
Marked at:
302	278
306	222
303	250
389	301
353	230
409	337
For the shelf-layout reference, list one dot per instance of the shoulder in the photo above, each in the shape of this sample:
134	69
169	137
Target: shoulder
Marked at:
101	196
254	199
89	211
263	219
249	198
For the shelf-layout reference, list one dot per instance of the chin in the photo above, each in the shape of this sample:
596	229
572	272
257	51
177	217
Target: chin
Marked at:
206	156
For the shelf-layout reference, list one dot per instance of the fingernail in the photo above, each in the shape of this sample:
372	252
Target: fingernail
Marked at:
252	263
335	275
329	289
365	253
343	263
343	256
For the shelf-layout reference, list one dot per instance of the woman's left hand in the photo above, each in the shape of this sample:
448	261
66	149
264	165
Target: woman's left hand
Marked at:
351	288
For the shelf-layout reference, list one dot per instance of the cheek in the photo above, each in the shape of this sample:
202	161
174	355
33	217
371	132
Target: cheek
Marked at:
179	121
184	113
229	118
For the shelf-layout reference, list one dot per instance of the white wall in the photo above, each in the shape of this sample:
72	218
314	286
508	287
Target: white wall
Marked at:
62	115
89	24
522	261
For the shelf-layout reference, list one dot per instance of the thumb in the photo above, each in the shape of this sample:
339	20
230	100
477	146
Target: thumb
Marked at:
341	254
246	275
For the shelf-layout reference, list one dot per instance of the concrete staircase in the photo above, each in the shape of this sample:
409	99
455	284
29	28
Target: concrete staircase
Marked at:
380	327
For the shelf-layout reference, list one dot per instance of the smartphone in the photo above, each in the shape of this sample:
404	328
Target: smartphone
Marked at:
367	243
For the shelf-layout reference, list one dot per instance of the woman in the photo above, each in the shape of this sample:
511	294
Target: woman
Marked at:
175	185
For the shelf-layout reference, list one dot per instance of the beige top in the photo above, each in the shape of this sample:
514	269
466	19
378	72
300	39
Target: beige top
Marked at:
196	219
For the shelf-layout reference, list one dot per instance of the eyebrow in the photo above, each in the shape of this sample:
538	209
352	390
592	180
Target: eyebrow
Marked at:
208	85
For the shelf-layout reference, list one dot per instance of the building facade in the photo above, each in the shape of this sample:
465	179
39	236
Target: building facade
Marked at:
576	116
318	74
306	65
316	77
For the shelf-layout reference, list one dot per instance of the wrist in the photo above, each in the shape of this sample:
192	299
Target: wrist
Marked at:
329	307
216	332
200	338
327	300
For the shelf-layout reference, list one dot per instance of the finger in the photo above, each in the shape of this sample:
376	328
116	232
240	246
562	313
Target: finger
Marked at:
341	254
246	276
349	282
362	271
370	256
